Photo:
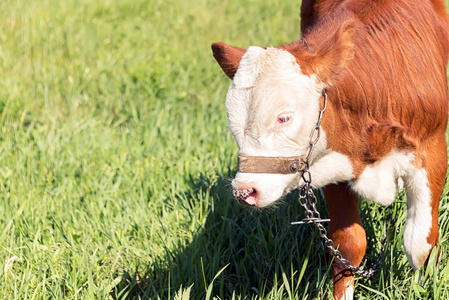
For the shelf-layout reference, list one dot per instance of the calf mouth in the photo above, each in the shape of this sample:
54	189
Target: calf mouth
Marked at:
246	197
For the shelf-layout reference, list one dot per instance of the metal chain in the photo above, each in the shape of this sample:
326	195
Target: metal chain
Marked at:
308	200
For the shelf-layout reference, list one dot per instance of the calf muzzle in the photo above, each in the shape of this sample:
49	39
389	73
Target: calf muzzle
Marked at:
242	195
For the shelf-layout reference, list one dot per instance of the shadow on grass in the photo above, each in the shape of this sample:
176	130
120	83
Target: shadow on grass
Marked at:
260	251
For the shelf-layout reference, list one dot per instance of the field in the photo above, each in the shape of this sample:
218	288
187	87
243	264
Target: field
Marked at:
115	163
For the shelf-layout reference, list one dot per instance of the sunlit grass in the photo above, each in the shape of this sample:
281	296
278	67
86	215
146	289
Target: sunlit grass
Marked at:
115	161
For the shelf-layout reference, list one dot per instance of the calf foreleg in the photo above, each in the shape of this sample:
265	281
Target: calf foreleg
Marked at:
347	232
424	187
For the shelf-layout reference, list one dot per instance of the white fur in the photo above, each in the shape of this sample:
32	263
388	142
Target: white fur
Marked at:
250	67
379	182
419	218
331	168
349	293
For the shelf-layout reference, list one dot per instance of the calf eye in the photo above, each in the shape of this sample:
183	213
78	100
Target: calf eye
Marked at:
284	118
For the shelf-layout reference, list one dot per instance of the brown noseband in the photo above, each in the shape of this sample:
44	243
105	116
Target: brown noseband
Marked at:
271	165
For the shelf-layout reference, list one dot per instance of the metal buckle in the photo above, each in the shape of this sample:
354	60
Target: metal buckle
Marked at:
310	221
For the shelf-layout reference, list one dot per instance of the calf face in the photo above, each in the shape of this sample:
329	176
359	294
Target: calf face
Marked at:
273	104
271	107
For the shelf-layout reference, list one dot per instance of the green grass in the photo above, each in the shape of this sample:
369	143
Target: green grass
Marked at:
115	161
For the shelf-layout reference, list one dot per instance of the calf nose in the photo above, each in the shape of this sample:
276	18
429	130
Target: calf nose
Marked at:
246	197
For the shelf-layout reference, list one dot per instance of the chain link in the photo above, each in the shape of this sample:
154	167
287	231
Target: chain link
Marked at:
308	200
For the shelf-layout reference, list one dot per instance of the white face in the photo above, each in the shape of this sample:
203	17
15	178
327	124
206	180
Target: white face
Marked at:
272	108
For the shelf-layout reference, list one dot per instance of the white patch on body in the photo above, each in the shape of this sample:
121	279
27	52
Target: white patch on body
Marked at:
330	168
379	182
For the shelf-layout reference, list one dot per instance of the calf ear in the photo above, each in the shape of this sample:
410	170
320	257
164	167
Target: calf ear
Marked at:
334	50
326	48
228	57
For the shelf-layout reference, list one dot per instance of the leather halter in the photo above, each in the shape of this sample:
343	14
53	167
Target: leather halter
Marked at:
271	165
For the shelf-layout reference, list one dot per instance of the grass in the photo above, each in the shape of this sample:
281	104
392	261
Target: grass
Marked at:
115	158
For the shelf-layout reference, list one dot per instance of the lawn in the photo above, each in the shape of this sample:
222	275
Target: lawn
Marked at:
115	163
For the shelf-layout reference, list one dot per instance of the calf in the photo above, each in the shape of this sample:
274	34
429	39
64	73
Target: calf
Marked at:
383	66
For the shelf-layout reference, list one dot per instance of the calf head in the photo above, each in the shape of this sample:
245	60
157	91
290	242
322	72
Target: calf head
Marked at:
273	102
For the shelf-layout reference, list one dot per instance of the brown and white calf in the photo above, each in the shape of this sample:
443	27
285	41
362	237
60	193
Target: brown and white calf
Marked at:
383	64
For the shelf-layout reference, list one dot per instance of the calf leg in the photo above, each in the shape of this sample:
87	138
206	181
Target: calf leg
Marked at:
424	187
346	230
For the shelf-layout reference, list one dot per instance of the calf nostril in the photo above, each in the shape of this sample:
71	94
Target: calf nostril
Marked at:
243	194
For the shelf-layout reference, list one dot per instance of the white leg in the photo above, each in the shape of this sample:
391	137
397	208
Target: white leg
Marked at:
419	218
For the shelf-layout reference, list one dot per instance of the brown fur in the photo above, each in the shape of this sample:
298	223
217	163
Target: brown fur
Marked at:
395	81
